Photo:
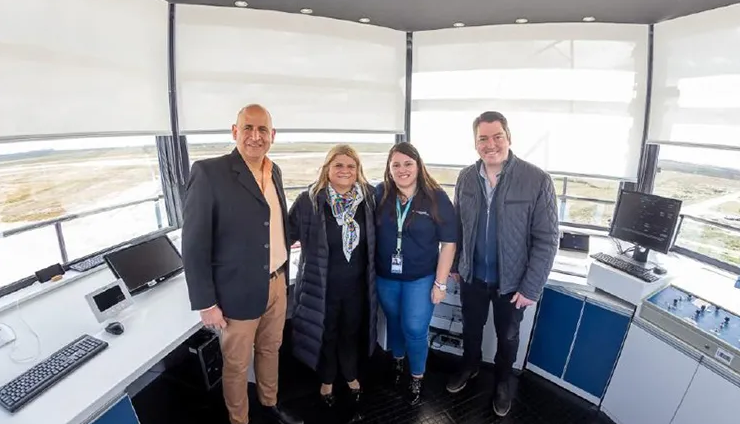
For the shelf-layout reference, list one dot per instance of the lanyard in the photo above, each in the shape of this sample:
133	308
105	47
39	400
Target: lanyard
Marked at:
401	218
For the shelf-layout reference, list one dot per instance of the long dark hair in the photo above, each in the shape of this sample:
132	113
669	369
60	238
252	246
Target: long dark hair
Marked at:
426	185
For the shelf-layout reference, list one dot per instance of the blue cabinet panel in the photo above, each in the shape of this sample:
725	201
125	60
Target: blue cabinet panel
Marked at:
554	330
120	413
598	342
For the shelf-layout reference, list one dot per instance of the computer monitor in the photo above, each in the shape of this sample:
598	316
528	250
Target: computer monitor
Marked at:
144	264
646	220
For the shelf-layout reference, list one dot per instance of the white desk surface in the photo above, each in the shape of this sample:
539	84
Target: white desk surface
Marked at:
158	322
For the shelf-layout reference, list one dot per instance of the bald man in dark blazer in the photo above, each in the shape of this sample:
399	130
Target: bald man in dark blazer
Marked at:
235	253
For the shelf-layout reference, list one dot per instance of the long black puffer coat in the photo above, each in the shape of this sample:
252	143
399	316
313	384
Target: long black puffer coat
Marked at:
307	224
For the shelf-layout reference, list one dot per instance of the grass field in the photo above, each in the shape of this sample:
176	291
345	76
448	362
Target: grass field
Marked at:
52	184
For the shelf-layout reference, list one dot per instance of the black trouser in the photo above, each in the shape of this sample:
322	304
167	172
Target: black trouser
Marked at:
475	297
345	304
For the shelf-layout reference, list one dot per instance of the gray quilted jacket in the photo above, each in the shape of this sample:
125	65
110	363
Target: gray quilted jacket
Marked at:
527	225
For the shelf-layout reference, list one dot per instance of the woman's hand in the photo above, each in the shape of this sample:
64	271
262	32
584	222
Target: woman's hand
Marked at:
437	295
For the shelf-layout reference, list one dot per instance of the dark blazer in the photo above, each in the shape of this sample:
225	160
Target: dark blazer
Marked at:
226	236
308	225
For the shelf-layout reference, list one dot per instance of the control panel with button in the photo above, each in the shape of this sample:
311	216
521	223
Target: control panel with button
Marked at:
713	330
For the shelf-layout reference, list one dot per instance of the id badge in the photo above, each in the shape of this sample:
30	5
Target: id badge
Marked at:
396	264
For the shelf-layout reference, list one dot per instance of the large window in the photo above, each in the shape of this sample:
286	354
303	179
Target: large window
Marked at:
707	180
64	199
573	94
695	117
300	155
696	79
313	73
83	66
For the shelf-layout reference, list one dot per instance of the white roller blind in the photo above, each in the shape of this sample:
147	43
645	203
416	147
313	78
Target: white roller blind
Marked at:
574	94
312	73
696	79
83	66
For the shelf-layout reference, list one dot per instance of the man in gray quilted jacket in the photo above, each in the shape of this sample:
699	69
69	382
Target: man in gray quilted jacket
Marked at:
507	213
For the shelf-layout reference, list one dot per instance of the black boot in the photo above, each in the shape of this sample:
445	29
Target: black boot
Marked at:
397	371
459	380
502	398
415	390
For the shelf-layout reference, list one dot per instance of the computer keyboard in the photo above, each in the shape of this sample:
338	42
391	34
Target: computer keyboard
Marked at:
36	380
636	271
88	263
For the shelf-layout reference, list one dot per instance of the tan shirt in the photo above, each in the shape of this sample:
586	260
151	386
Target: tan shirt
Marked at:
278	252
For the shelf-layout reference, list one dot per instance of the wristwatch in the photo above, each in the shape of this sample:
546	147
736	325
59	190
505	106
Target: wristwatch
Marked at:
442	287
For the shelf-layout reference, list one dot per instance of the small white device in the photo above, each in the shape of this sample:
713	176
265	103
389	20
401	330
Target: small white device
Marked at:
109	300
7	335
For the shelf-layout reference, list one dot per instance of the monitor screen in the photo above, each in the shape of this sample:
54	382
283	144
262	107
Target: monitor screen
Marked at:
144	263
109	298
646	220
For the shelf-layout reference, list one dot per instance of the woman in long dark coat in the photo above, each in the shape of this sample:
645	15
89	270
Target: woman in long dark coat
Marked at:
334	222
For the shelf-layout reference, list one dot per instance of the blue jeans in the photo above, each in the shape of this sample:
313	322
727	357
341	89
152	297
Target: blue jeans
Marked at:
408	308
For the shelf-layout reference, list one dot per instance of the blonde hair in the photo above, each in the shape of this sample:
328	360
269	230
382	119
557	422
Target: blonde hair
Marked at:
323	179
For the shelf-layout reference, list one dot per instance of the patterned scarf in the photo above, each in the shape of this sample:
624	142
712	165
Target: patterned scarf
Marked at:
343	207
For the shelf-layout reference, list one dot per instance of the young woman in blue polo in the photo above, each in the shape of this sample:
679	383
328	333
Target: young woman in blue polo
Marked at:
416	235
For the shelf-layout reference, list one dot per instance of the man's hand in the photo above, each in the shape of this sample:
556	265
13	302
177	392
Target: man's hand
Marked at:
437	295
213	318
521	301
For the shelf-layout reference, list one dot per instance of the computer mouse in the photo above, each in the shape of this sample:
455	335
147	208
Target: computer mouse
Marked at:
658	270
115	328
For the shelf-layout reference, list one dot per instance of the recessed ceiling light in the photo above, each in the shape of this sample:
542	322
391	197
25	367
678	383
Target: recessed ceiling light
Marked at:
306	11
458	24
522	20
365	20
241	3
589	19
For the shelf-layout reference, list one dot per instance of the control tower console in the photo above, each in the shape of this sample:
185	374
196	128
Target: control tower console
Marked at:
648	222
699	323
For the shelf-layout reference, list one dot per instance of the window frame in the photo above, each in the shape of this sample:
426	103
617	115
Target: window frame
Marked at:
173	182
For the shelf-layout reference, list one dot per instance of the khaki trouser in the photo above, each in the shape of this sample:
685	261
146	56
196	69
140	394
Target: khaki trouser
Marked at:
266	335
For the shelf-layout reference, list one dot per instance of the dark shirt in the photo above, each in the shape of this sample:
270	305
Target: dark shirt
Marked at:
485	256
343	273
420	238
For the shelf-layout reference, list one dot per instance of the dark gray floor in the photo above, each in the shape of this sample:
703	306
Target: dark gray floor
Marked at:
537	401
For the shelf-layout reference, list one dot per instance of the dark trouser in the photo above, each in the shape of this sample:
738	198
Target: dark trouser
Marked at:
345	303
475	297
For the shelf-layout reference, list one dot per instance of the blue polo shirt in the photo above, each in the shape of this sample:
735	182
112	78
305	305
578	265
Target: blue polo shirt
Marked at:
420	238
